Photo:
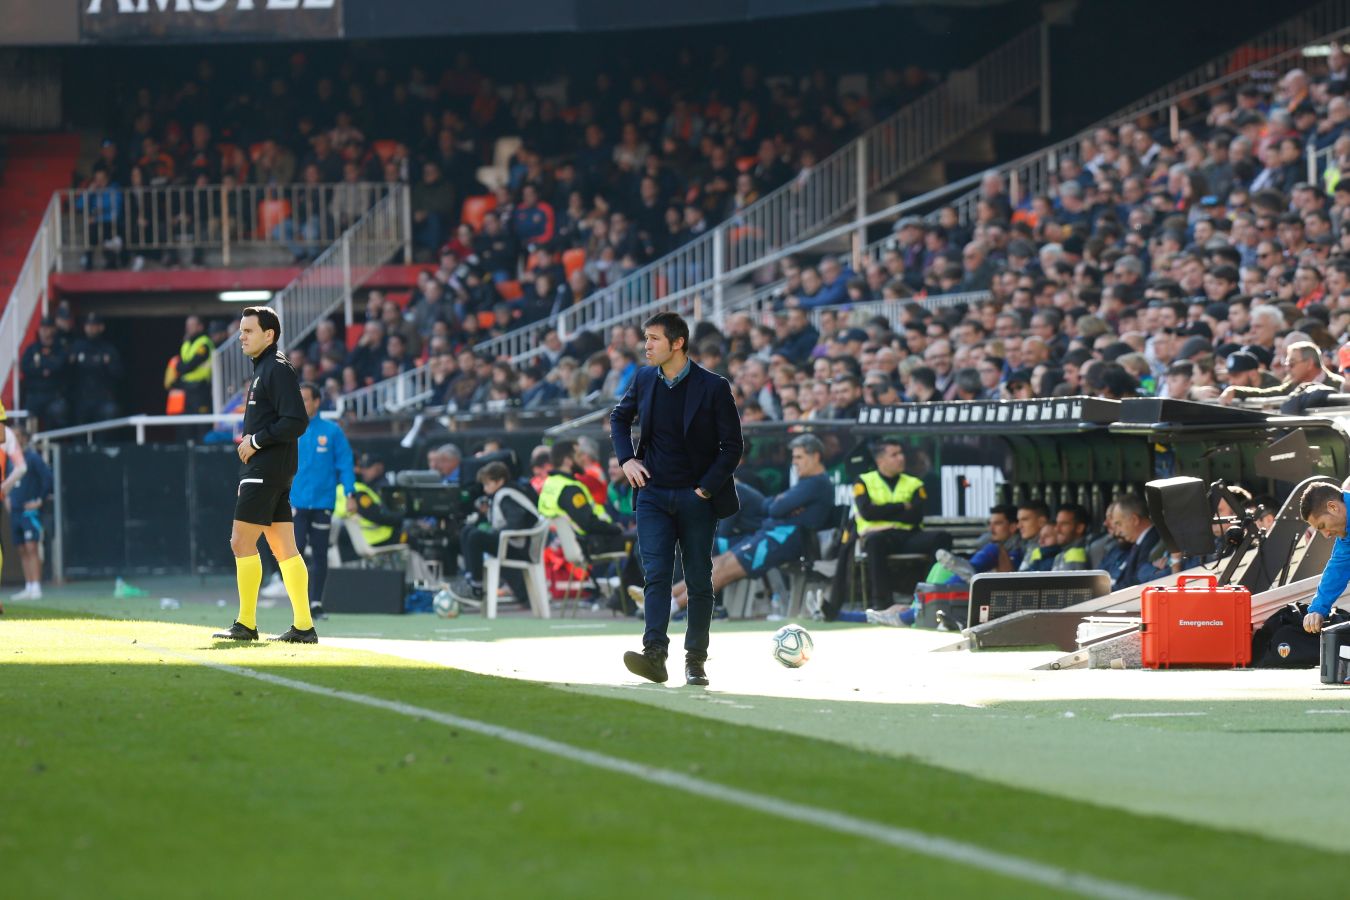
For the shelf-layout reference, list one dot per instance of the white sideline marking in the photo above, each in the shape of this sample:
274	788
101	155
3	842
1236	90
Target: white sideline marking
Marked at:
902	838
1154	715
1328	712
451	630
579	625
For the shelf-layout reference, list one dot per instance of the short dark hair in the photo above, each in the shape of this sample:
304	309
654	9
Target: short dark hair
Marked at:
494	471
1080	514
312	388
672	325
1316	498
267	319
1038	507
560	452
1007	510
880	444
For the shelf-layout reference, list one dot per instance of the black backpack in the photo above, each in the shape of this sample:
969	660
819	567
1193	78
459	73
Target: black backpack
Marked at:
1281	642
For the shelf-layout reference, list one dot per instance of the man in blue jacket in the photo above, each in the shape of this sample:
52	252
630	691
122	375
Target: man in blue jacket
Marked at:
325	462
681	465
1323	507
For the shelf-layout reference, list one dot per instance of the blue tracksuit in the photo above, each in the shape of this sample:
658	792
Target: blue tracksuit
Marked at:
1335	576
325	461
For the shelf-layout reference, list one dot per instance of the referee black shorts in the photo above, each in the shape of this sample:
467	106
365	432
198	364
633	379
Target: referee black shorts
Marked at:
260	503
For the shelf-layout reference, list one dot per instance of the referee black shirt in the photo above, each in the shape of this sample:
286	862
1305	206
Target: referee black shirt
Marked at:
275	418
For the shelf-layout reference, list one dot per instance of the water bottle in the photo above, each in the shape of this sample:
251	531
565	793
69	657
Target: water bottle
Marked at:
169	603
776	607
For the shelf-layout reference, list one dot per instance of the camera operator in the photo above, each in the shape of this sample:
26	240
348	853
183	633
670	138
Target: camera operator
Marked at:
509	507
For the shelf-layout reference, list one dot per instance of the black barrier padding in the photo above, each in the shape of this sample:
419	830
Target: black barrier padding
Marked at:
156	516
214	477
94	531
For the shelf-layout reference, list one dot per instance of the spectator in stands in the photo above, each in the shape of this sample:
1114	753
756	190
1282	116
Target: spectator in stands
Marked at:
1308	381
433	209
532	221
368	355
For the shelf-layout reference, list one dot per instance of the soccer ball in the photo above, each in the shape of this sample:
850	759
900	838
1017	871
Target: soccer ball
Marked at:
792	646
445	604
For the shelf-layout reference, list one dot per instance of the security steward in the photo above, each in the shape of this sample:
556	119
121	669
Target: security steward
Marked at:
194	367
379	524
98	369
45	367
888	517
563	495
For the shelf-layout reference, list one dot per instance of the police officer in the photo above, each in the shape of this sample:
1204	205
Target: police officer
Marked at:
325	463
888	513
98	369
46	374
378	523
563	495
194	366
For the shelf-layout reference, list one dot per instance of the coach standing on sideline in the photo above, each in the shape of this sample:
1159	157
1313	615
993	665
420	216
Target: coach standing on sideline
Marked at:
690	443
325	462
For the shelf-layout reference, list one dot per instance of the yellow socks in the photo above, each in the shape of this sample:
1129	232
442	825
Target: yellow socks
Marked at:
248	573
296	578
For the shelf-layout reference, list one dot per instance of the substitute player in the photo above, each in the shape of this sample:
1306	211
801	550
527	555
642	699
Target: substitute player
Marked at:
11	458
274	419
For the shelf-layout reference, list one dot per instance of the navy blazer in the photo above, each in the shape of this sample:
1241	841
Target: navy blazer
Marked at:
712	428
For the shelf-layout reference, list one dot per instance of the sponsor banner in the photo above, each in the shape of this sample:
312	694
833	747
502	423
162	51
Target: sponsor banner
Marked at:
137	21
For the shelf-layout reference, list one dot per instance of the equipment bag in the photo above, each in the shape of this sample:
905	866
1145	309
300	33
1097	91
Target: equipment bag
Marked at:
1281	642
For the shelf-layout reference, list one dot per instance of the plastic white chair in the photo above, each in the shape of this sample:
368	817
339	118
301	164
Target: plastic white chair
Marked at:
536	584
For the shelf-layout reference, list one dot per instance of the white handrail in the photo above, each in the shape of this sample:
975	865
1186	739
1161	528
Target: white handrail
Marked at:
689	277
323	286
29	291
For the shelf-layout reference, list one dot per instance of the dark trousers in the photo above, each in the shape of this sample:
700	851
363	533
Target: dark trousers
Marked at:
313	528
884	577
474	542
668	518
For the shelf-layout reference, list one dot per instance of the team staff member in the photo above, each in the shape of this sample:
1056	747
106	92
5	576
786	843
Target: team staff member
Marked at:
379	524
11	460
194	366
98	369
682	465
888	513
274	419
1323	506
25	515
325	462
563	494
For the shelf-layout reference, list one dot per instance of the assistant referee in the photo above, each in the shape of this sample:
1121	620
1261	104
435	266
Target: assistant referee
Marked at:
274	419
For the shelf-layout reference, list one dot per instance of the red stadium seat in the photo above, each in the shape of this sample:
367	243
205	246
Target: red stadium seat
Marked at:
354	332
401	298
475	208
572	260
510	290
272	213
745	163
387	150
486	319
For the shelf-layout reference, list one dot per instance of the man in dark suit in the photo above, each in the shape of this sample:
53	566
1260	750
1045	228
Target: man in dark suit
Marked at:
1147	556
690	443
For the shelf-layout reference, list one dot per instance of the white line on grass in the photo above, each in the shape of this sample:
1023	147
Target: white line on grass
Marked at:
1154	715
579	625
903	838
457	630
1328	712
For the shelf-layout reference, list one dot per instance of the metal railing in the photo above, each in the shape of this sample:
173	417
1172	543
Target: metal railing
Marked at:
172	221
29	292
325	284
816	198
1274	52
407	391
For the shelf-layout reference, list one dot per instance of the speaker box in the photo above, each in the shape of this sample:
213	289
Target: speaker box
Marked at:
364	591
1179	509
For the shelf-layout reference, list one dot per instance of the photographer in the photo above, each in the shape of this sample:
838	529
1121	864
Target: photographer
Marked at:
509	507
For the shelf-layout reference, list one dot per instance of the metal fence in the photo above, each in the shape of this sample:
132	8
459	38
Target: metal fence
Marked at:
29	292
325	284
816	198
179	223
